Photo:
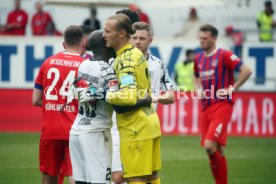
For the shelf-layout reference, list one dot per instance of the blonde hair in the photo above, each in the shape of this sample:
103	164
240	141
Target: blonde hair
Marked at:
142	26
123	22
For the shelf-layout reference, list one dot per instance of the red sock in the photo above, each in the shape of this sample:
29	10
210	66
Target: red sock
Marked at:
224	170
215	164
61	178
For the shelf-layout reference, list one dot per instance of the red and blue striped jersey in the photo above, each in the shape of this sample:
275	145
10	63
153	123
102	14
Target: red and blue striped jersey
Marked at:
216	72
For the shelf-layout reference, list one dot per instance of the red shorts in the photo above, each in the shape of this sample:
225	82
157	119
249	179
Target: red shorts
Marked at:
54	157
214	122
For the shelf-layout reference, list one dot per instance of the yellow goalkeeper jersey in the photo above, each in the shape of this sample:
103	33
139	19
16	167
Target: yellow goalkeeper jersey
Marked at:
131	69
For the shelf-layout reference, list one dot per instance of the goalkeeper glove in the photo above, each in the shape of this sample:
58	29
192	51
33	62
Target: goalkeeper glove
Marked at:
91	94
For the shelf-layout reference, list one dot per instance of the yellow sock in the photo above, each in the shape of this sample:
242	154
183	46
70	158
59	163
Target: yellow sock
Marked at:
156	181
136	182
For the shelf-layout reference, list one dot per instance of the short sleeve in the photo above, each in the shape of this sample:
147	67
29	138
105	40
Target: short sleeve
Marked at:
232	61
108	76
126	73
196	72
39	78
166	82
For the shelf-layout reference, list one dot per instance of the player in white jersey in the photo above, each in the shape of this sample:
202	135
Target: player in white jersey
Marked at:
161	84
90	139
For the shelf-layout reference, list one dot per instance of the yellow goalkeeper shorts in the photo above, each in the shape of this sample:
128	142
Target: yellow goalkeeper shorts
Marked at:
141	158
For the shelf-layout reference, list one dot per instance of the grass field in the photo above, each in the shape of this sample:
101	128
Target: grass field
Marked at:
251	160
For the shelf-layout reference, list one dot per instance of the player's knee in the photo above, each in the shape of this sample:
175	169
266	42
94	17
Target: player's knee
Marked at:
154	176
210	147
140	179
117	177
80	182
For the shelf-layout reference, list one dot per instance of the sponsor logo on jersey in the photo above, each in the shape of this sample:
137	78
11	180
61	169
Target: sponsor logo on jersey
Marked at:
84	121
207	73
214	62
113	85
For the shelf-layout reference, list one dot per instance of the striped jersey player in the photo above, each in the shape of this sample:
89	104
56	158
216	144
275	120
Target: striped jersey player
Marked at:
214	83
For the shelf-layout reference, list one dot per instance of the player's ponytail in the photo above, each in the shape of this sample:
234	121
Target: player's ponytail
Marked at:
123	22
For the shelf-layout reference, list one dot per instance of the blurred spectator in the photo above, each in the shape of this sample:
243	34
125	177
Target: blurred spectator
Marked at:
93	22
143	17
184	72
16	21
51	30
40	20
265	23
191	26
237	37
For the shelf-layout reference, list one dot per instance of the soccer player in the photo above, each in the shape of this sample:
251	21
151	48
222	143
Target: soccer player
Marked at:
159	77
50	92
214	73
87	30
90	138
139	129
86	55
116	169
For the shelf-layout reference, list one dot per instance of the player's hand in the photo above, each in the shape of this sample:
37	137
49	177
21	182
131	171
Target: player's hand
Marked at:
224	92
91	94
155	99
199	94
72	93
84	95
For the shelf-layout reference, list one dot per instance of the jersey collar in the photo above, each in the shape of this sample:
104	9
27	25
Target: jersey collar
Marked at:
212	53
125	47
69	53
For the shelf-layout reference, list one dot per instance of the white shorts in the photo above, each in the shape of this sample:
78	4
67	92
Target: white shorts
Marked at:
91	156
116	158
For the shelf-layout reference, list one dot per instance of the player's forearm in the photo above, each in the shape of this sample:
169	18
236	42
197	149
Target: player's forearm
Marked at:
123	97
166	98
146	102
245	73
37	97
197	84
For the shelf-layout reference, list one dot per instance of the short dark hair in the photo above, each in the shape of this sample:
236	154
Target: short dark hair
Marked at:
141	26
268	3
209	28
73	35
86	29
93	11
189	52
133	16
123	22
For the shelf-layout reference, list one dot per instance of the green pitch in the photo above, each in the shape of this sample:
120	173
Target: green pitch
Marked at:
250	160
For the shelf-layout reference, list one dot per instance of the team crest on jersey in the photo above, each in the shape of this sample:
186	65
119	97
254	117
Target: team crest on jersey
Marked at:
113	85
214	62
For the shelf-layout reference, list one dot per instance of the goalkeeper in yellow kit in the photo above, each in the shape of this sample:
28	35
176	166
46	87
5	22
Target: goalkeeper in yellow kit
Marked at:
139	129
